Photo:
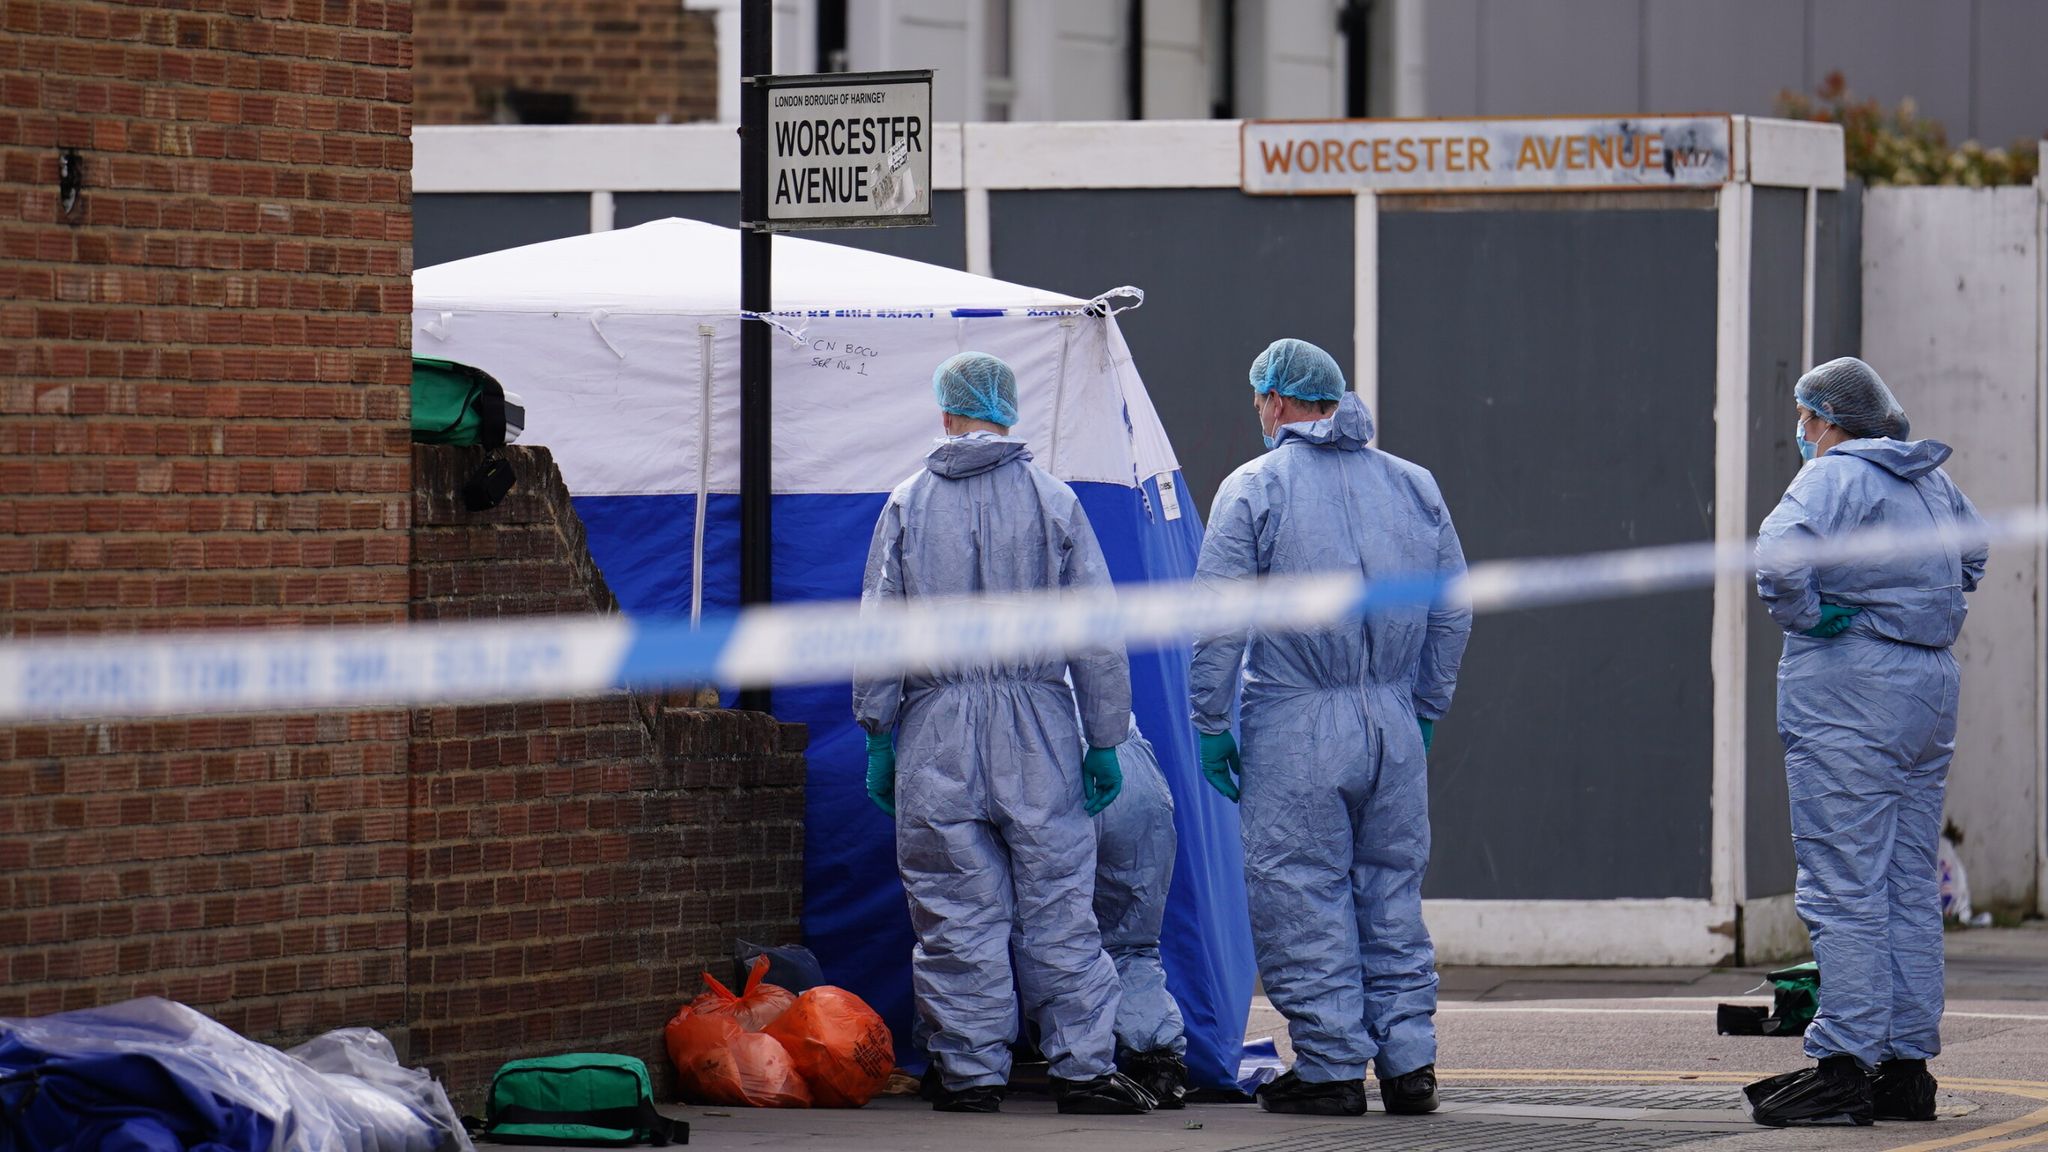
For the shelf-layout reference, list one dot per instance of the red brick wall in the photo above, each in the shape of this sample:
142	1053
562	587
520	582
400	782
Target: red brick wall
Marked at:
527	879
625	61
203	422
575	865
252	867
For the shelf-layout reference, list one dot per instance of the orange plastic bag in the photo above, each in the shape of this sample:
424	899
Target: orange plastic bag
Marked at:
755	1008
720	1062
839	1045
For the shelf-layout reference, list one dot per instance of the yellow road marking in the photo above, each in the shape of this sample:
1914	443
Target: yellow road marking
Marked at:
1582	1075
2030	1089
2025	1089
2016	1124
2033	1141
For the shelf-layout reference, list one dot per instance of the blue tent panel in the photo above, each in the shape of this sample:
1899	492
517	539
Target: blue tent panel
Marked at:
855	917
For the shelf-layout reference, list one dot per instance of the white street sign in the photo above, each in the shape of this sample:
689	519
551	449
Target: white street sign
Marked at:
849	150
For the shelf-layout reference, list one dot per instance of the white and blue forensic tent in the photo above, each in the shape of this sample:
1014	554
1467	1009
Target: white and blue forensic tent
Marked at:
625	348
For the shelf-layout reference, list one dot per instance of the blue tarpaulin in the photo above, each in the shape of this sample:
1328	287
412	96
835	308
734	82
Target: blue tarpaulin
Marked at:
151	1075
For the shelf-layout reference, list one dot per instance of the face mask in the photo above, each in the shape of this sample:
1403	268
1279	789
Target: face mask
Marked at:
1806	447
1271	441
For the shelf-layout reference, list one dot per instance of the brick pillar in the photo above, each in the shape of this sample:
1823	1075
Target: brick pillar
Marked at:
203	423
575	864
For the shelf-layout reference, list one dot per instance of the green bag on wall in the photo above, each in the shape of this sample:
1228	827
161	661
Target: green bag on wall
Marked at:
456	404
582	1098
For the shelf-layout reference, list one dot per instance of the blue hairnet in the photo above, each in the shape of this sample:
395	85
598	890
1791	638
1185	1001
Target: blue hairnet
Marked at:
978	386
1299	369
1850	395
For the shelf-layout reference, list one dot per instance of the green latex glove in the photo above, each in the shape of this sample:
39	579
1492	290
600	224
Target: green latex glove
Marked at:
1834	620
1428	732
1101	779
882	770
1220	765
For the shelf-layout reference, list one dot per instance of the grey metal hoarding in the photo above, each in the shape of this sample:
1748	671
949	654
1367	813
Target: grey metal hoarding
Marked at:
1777	246
1776	289
944	244
452	225
1224	274
456	225
1553	364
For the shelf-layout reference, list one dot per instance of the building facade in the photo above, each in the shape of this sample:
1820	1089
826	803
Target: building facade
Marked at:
563	62
1971	64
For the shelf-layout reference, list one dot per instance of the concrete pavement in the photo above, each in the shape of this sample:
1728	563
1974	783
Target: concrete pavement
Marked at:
1543	1059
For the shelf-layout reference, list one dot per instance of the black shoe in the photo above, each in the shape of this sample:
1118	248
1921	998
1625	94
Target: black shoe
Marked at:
930	1088
980	1098
1161	1074
1902	1090
1113	1095
1293	1095
1410	1093
1834	1092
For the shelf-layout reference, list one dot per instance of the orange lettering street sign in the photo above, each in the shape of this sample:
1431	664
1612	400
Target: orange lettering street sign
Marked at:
1309	157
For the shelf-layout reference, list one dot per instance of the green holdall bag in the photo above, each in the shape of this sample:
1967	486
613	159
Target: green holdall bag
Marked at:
1795	1000
583	1098
457	404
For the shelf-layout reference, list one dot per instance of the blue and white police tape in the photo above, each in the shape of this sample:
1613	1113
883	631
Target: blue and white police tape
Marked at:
547	657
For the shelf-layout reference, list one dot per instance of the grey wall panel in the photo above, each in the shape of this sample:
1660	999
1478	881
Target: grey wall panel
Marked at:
630	209
1521	45
1776	289
1975	65
1838	274
944	243
1559	382
1224	275
454	226
1450	29
2011	96
1893	49
1722	55
451	226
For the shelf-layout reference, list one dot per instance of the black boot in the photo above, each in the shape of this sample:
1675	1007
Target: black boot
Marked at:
1834	1092
1293	1095
1903	1090
1161	1074
930	1088
1113	1095
1410	1093
980	1098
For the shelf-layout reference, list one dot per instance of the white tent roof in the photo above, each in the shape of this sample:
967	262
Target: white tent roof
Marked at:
688	266
634	402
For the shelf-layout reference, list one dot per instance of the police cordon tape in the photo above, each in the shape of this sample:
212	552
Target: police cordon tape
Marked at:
552	657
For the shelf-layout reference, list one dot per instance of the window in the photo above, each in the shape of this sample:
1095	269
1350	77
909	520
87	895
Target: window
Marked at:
832	36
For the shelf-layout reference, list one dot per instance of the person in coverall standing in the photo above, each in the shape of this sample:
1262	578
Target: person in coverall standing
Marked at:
1337	724
984	768
1867	695
1134	846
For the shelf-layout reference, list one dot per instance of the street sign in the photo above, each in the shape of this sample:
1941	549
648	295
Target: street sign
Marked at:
848	150
1308	157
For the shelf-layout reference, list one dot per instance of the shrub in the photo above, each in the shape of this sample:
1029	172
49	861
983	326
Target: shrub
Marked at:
1903	147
